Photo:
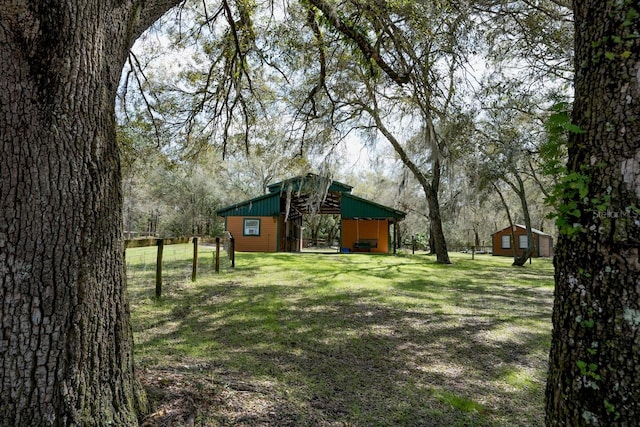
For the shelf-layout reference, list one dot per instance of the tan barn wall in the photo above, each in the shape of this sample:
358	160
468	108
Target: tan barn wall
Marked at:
366	229
267	241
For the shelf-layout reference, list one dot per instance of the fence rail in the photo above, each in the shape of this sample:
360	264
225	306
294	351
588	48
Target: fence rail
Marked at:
224	244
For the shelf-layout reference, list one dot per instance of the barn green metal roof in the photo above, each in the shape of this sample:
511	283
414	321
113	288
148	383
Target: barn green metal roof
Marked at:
353	207
309	182
266	205
338	197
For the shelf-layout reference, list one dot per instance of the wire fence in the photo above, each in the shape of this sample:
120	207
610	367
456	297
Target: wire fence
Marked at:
171	262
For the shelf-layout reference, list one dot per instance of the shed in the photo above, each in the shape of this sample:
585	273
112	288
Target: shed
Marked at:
503	243
273	222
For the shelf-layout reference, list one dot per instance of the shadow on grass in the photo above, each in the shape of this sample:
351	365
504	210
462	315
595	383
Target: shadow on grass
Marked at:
420	352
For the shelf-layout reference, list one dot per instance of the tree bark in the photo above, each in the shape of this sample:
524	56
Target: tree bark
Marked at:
432	241
65	340
594	366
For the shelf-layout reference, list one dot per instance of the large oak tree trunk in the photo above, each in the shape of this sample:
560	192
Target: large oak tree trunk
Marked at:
594	371
65	336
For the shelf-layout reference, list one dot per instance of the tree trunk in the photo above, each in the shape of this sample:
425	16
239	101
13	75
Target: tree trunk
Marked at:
430	188
442	254
594	367
432	241
521	260
476	236
65	340
509	218
437	233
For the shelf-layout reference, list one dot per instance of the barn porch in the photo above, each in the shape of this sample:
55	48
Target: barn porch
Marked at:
274	222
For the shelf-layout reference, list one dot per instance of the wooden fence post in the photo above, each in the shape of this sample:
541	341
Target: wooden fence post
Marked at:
194	269
160	244
217	255
232	251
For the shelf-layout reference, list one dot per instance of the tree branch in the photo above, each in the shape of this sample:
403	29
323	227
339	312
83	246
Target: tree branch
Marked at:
365	47
143	13
136	69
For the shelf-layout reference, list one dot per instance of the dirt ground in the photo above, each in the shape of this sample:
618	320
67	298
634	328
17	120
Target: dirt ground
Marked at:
206	398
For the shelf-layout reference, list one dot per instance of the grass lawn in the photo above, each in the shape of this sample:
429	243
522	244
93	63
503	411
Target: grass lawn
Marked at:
342	340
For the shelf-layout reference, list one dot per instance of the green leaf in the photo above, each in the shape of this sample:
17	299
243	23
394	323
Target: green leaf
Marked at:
610	408
582	365
573	128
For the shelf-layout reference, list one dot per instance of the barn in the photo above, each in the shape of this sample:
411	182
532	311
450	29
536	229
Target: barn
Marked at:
273	222
503	243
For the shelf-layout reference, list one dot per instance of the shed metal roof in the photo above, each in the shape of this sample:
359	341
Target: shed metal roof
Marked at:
523	227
